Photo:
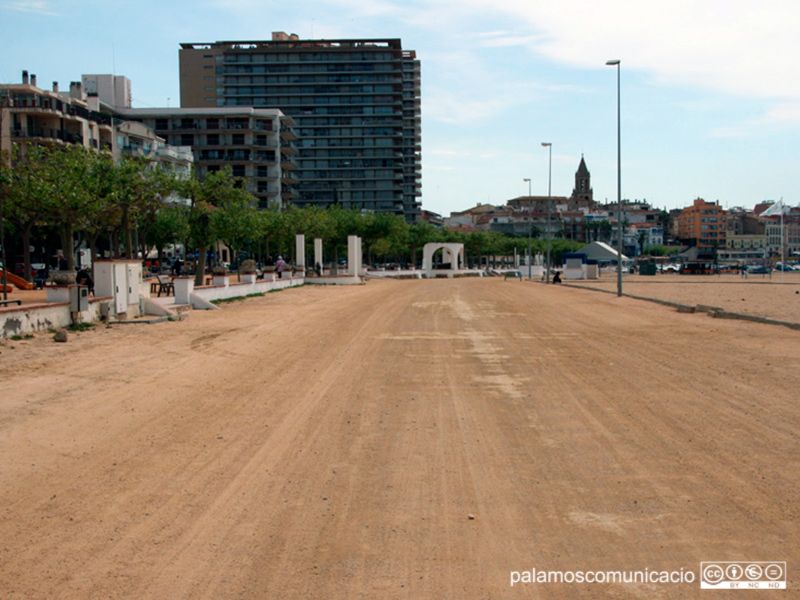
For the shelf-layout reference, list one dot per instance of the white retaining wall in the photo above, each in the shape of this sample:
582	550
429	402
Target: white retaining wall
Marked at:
235	290
19	320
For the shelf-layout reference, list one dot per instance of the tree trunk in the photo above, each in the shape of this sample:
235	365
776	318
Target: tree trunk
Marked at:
160	257
115	244
126	227
93	247
67	246
200	270
26	250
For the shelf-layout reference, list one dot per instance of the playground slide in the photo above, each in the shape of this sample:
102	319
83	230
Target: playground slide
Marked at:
16	281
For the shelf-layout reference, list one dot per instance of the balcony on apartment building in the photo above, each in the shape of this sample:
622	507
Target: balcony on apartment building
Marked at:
288	191
47	134
288	147
32	103
272	188
101	145
176	153
264	141
288	163
288	177
220	155
137	149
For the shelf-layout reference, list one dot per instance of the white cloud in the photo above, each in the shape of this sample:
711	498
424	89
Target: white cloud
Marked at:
748	47
784	112
40	7
730	132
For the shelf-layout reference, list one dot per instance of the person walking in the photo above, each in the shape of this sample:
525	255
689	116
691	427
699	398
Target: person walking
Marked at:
279	266
176	267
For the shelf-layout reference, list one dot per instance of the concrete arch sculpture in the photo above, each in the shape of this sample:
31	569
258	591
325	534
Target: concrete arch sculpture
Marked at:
452	253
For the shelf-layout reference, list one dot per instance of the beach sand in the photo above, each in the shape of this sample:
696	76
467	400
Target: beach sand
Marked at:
401	439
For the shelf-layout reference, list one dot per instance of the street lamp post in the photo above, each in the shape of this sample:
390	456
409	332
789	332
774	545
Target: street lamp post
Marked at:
5	103
615	63
530	228
549	147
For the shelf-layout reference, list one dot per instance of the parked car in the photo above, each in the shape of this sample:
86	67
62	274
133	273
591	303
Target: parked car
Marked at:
19	269
757	269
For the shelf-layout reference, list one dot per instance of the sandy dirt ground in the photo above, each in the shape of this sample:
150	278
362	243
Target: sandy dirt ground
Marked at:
777	297
402	439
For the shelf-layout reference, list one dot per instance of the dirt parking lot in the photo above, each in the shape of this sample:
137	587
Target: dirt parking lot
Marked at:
403	439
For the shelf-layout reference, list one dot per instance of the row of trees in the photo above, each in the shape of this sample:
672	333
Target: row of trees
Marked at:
123	206
81	195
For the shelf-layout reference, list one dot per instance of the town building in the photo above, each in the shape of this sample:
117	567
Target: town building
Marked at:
256	144
642	235
702	226
432	218
469	217
32	115
113	90
356	103
745	248
782	237
582	194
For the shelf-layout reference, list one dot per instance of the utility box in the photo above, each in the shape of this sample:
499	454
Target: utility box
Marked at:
78	298
105	310
647	269
121	281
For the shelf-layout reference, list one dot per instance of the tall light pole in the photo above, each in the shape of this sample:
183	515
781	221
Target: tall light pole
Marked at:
530	227
549	147
5	103
615	63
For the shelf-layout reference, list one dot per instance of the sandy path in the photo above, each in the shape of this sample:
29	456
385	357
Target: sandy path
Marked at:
331	443
777	297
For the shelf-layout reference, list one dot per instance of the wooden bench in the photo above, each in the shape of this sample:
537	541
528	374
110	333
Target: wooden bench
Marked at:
164	284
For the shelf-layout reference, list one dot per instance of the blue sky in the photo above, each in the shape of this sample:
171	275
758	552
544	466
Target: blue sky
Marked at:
710	88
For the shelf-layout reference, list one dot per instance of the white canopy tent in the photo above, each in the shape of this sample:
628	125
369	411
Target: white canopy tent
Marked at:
602	253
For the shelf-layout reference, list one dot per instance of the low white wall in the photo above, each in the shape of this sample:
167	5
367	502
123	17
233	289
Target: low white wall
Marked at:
336	280
401	273
451	273
41	317
235	290
572	273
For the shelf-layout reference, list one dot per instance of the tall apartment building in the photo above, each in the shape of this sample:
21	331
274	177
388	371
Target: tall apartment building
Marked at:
703	225
356	104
